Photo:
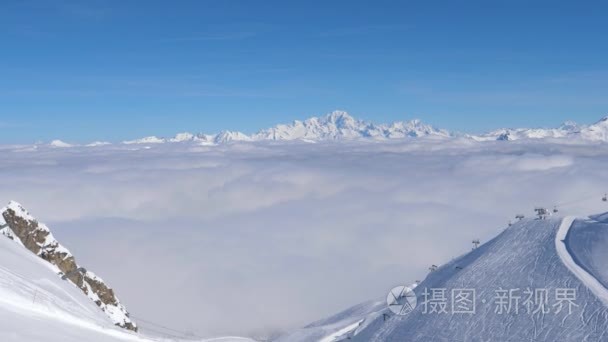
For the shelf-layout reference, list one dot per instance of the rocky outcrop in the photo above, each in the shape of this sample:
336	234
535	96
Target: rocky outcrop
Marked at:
17	224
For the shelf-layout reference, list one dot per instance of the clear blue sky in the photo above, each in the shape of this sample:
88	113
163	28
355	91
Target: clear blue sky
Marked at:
111	70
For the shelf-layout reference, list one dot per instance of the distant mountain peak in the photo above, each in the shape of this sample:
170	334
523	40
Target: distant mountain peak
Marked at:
145	140
340	118
340	125
59	144
228	136
338	114
569	125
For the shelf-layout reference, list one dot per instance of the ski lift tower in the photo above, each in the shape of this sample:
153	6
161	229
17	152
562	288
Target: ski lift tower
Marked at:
475	243
542	213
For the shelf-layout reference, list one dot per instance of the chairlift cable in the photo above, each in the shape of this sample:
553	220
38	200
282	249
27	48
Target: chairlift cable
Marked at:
183	333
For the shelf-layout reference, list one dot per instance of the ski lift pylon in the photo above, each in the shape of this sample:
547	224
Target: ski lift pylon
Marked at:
475	243
542	213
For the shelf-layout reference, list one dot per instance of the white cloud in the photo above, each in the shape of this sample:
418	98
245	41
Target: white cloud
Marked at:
258	237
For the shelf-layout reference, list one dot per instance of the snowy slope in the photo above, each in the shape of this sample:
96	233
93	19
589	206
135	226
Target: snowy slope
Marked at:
36	305
528	255
586	242
524	256
21	227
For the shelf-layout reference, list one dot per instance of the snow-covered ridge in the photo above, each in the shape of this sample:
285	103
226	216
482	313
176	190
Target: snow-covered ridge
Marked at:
17	224
339	125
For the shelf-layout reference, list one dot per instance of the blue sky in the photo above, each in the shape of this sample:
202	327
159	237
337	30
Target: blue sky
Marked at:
112	70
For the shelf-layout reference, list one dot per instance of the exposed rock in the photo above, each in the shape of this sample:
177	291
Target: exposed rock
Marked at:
24	229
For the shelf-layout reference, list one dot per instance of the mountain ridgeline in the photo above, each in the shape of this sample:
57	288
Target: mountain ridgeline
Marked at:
339	125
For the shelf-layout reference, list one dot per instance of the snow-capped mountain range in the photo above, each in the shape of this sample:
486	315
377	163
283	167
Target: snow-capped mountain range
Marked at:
339	125
334	126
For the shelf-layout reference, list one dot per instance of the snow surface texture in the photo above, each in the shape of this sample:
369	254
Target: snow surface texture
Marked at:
278	220
530	254
585	250
339	125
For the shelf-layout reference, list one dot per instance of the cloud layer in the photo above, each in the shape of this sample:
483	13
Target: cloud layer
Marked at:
257	238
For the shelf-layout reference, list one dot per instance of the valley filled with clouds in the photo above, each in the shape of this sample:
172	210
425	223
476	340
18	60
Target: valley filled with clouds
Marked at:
268	236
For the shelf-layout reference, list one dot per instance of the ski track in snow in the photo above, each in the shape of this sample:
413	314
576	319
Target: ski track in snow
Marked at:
589	280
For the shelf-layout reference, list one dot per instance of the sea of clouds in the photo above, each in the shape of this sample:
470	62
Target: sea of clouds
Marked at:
257	238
